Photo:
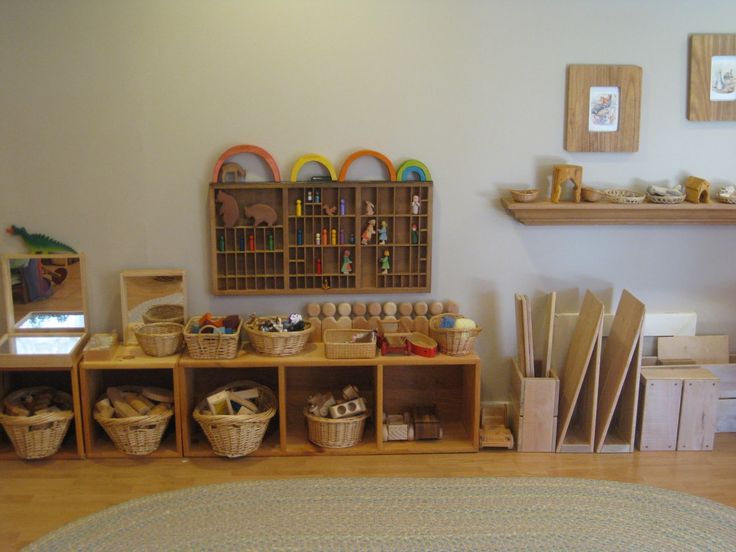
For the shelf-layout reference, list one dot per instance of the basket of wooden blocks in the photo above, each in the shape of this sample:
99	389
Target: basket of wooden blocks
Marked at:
455	334
36	420
336	424
235	417
135	418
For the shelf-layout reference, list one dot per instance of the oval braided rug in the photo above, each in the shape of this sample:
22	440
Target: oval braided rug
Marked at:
493	513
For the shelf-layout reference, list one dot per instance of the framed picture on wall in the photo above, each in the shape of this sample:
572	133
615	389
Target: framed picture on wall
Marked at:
603	106
712	86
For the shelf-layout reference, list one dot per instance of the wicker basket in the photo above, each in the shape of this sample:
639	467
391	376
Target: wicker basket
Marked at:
452	341
38	436
164	313
618	195
666	199
336	432
277	343
238	434
340	343
211	346
137	435
727	199
160	338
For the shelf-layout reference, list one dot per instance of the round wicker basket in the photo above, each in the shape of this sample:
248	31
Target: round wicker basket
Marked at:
336	432
164	313
727	199
211	346
160	338
136	435
666	199
239	434
619	195
452	341
277	343
38	436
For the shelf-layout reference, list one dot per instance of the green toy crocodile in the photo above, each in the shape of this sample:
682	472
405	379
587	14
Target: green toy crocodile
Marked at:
39	243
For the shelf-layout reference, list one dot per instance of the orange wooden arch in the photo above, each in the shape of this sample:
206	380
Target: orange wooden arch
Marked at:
246	148
362	153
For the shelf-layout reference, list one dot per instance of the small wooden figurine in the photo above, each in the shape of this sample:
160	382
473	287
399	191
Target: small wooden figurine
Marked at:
329	209
319	266
228	209
561	174
696	189
347	262
232	172
414	234
385	261
370	208
383	232
261	214
369	232
398	427
416	205
298	207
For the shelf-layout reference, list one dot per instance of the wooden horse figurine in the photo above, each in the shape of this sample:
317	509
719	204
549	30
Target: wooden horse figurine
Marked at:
561	174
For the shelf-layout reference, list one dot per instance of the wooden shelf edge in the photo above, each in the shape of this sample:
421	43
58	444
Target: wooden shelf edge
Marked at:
568	213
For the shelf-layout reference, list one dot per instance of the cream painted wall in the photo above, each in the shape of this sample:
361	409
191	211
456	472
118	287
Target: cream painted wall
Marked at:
112	115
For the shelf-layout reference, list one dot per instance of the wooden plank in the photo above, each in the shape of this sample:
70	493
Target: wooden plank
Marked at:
658	413
528	336
585	337
521	348
698	414
703	349
616	361
549	334
726	416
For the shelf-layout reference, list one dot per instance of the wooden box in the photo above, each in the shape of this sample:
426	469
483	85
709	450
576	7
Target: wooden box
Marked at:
534	411
678	409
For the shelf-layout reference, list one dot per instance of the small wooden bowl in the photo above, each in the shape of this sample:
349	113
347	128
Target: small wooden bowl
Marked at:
524	196
592	194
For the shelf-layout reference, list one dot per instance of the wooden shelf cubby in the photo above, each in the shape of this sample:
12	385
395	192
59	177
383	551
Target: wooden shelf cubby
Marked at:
285	258
388	383
569	213
128	366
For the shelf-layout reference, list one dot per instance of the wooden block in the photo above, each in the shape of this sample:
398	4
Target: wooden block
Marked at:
436	308
521	348
313	309
659	412
675	361
549	334
316	334
159	394
348	408
703	349
726	416
160	408
359	309
134	400
698	411
219	403
406	309
533	411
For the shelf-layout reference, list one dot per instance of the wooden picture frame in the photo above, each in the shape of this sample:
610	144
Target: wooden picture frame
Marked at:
603	107
709	97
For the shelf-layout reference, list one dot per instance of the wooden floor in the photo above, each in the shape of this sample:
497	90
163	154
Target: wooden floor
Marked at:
36	497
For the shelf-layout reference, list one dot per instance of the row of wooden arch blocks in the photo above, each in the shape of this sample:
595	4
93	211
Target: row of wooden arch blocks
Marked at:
411	316
402	174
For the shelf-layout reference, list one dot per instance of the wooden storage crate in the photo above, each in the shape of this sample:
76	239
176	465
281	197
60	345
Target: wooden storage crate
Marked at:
534	411
677	409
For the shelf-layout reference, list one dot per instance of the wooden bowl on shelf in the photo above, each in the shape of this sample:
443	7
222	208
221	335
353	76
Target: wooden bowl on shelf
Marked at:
525	196
592	195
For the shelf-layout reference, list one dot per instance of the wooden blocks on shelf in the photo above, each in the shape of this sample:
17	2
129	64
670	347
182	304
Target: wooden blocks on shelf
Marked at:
533	413
678	409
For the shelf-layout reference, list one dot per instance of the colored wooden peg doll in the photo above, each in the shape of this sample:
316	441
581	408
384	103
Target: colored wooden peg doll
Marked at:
319	265
347	262
251	243
370	208
416	205
344	321
385	261
298	207
414	234
383	232
369	232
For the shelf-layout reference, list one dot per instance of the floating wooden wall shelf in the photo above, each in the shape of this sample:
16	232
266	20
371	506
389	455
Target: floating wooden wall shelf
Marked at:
284	258
547	213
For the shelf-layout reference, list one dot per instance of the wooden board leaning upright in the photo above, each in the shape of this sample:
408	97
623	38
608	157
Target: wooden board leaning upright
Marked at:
619	378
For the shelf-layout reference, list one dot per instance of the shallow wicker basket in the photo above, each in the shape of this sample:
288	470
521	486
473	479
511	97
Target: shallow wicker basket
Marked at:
136	435
164	313
336	432
160	338
277	343
38	436
666	199
727	199
211	346
451	341
619	195
339	343
238	434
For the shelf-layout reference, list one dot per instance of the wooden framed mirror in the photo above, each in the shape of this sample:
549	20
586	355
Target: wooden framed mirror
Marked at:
45	293
145	291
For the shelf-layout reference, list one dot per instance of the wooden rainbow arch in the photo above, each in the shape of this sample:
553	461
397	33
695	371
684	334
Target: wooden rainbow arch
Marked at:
366	152
304	159
413	166
246	148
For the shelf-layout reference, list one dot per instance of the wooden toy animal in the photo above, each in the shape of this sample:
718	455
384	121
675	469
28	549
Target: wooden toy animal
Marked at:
369	232
561	174
261	213
38	243
228	209
232	170
329	209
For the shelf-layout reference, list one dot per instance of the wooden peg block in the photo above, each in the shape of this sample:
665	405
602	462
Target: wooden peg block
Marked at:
329	309
389	308
436	308
375	309
313	309
344	309
359	309
406	309
452	307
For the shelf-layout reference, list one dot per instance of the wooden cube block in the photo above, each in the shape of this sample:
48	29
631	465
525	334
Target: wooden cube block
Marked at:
533	411
698	412
659	412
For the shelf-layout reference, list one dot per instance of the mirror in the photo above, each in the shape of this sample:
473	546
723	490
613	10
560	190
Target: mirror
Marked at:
157	289
45	293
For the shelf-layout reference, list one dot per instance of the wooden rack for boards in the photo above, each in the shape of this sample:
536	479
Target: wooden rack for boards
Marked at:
309	237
